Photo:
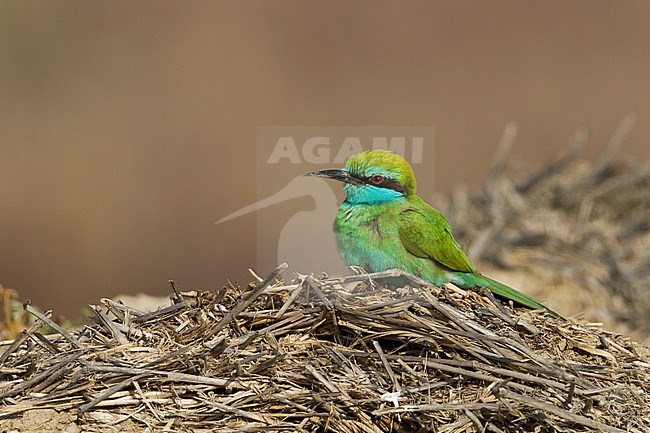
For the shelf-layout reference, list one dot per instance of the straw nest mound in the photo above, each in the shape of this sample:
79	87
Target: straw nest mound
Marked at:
341	355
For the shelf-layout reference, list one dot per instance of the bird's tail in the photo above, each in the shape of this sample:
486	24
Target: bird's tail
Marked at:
508	292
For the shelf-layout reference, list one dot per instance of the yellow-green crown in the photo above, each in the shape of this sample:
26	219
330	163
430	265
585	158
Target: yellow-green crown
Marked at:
385	163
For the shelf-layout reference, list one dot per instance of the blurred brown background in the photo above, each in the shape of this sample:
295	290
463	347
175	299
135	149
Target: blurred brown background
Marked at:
128	128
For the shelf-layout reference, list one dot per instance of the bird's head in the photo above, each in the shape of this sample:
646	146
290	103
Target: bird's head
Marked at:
373	177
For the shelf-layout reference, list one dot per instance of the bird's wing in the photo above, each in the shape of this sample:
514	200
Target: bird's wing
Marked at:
426	233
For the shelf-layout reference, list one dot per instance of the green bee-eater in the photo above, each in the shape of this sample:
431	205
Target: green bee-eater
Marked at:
384	225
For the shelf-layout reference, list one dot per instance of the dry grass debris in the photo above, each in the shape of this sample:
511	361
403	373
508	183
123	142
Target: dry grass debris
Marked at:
575	233
322	354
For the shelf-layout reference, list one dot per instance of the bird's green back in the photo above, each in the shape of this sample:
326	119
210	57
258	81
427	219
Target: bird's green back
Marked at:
425	233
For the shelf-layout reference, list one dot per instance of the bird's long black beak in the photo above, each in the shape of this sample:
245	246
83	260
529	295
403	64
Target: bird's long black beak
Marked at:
336	174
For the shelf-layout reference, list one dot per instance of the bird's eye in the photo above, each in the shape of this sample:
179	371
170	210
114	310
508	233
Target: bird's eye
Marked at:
377	179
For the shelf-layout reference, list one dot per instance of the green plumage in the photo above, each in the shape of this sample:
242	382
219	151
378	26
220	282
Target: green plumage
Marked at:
383	225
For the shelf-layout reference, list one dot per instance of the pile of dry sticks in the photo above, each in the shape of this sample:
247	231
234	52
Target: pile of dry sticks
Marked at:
583	223
343	355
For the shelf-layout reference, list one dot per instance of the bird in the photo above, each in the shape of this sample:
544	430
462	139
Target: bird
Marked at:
383	224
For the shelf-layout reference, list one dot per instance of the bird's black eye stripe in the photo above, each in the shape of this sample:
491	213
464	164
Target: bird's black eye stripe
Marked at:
386	183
